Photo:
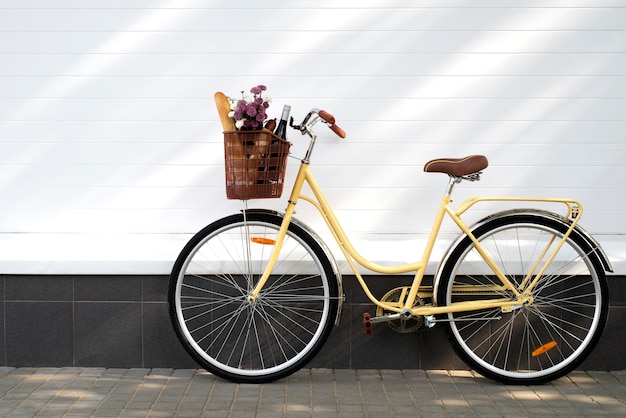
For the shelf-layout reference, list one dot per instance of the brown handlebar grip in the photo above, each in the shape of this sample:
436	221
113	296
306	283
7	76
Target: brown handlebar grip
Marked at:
336	129
328	118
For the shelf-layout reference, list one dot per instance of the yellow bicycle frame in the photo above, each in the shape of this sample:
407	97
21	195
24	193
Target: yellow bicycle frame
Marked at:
521	296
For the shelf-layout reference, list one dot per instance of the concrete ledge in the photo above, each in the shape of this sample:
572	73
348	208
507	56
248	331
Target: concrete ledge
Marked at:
146	254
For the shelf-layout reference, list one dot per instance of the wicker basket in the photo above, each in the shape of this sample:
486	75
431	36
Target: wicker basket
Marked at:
255	163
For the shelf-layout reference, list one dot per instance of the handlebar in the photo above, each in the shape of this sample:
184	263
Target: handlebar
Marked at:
330	120
314	116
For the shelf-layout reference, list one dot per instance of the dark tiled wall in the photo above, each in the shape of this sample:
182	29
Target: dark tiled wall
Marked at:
106	321
123	321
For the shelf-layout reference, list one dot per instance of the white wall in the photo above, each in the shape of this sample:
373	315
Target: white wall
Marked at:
110	146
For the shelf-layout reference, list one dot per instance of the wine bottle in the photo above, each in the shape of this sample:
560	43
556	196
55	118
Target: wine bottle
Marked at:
281	132
281	129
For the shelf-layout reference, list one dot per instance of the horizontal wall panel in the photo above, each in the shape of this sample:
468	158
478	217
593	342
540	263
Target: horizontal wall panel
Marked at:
117	153
477	132
502	178
343	19
279	4
471	132
394	109
112	131
419	87
527	155
143	221
78	221
356	154
196	198
330	41
272	68
46	176
358	199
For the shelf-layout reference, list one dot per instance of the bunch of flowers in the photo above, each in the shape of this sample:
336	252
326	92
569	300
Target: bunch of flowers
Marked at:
250	112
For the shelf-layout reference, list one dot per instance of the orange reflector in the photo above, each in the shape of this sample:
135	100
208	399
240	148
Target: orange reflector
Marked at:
544	348
264	241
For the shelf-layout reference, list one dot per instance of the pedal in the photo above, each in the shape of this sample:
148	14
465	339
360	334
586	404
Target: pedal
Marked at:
367	322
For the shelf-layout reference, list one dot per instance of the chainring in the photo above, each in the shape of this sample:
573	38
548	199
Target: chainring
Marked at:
403	325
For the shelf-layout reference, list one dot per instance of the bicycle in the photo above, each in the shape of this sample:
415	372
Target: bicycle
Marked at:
253	296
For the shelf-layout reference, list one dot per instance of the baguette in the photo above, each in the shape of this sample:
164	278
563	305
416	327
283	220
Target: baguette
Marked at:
237	163
223	109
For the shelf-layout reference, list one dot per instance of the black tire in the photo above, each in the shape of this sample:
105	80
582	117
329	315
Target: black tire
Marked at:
258	341
532	344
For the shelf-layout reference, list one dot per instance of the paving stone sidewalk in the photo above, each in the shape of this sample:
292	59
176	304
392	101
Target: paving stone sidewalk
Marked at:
99	392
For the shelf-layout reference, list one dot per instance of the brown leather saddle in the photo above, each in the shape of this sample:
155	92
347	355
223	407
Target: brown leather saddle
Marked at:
458	167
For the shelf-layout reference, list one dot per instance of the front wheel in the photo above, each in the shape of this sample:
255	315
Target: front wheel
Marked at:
541	341
234	336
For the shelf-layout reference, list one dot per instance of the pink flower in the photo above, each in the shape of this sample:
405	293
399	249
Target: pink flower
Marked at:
258	89
250	112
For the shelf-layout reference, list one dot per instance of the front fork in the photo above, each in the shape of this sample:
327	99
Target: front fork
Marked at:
276	247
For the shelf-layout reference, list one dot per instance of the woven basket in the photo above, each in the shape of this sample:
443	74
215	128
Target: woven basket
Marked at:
255	163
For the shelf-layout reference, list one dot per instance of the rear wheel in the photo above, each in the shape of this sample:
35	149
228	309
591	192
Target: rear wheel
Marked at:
252	340
535	343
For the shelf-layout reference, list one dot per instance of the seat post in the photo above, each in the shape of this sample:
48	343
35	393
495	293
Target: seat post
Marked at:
453	180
